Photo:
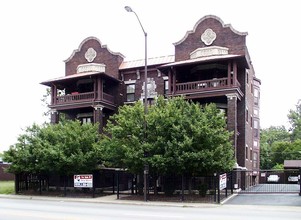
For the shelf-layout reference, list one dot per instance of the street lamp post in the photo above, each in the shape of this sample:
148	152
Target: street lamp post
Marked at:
145	172
129	9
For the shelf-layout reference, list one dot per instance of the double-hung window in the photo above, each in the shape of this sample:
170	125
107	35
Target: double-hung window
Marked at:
130	92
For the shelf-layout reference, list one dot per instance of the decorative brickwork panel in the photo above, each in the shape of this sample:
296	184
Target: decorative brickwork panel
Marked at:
208	27
91	50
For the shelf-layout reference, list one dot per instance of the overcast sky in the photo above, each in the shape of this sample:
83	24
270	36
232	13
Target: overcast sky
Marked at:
37	36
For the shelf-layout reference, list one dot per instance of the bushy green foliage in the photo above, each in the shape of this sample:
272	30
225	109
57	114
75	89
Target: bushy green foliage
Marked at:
65	148
269	138
278	144
278	167
181	137
294	118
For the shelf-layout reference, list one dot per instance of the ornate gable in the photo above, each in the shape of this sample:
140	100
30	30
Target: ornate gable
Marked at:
92	56
209	37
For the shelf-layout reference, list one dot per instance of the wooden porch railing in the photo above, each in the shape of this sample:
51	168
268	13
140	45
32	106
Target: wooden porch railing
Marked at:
79	97
203	85
108	97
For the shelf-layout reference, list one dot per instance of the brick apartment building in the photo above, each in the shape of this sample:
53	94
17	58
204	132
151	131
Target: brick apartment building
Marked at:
211	64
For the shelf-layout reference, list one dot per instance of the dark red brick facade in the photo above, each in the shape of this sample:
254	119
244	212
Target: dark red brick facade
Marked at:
104	55
211	65
228	38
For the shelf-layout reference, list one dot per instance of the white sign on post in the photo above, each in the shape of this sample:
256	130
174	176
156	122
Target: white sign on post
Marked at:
83	180
222	181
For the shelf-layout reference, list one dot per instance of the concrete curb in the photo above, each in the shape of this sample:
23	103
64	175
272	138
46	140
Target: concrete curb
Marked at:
111	199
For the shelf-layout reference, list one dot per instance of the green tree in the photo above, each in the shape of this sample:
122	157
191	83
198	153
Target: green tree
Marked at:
64	148
181	137
46	101
268	137
279	152
265	157
188	138
125	145
296	150
294	117
274	133
21	155
277	144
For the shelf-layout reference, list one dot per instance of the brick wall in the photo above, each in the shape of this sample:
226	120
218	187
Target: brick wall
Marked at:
225	38
4	175
104	56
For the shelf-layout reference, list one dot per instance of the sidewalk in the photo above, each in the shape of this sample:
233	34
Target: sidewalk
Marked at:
110	199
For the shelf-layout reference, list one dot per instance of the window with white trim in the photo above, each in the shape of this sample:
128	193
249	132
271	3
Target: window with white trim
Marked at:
130	92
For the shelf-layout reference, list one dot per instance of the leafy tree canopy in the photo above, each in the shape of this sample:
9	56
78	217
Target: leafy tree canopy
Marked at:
181	137
294	117
274	133
277	144
65	148
268	138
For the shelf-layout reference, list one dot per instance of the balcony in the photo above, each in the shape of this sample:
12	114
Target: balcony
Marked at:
76	98
205	85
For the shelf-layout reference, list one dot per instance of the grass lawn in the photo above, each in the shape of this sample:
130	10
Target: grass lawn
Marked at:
7	187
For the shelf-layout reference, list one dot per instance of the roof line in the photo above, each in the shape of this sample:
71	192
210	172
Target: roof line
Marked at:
204	18
92	38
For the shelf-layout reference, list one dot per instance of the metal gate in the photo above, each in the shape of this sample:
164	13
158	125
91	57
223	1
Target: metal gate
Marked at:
270	181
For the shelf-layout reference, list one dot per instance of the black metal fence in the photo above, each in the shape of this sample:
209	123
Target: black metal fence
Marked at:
271	181
176	188
207	189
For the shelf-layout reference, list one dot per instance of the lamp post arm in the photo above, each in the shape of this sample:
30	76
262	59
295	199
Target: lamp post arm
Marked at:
145	34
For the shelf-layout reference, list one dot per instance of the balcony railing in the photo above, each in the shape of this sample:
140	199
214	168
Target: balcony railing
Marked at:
107	97
204	85
80	97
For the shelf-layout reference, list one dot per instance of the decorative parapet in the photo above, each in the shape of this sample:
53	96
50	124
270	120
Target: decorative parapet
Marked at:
102	46
203	19
209	51
91	67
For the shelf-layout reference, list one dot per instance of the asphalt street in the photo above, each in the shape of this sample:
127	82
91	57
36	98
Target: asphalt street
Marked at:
266	199
60	209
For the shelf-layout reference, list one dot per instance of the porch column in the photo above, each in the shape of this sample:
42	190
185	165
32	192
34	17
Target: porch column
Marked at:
54	116
232	119
53	95
229	73
234	73
99	88
98	117
169	81
174	76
